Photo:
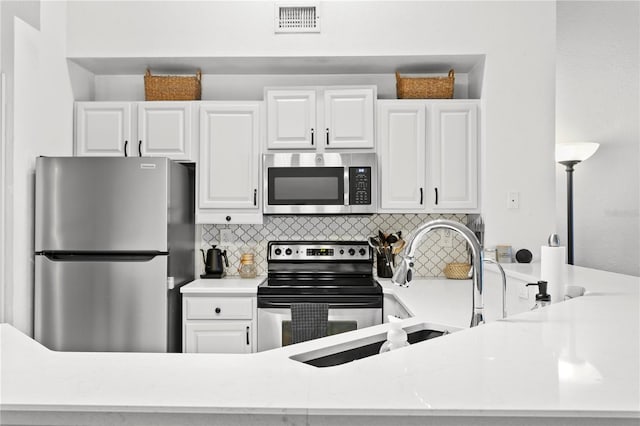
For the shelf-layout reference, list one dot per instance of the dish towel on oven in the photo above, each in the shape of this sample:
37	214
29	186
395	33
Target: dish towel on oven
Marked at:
308	321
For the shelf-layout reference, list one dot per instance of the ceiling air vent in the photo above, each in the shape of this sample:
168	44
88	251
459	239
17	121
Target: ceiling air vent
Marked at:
298	18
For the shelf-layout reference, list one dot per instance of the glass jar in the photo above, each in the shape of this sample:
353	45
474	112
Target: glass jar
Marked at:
247	268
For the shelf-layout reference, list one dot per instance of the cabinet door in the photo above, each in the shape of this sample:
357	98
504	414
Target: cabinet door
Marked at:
291	119
164	130
454	153
402	154
348	118
233	337
103	129
229	169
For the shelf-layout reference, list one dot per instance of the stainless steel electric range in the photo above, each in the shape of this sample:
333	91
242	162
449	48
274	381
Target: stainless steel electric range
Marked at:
336	273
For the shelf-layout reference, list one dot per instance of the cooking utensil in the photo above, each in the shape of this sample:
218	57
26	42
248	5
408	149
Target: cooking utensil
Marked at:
374	243
397	246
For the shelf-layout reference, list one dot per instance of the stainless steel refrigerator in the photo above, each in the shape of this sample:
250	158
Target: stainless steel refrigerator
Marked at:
114	241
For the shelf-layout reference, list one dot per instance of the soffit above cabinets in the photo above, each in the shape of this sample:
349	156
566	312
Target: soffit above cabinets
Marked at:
406	64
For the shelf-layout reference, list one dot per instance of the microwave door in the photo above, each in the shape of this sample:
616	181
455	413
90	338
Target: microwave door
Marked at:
306	189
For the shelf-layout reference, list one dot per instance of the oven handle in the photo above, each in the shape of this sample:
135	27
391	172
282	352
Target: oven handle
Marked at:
356	303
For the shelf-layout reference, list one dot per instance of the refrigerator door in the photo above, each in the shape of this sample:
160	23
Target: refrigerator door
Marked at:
92	304
101	204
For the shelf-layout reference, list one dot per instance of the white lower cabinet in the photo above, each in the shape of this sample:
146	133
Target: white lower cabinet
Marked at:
218	324
233	337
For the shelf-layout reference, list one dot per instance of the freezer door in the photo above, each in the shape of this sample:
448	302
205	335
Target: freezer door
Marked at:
101	204
100	305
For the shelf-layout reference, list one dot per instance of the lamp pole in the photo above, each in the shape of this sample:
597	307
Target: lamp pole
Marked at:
569	169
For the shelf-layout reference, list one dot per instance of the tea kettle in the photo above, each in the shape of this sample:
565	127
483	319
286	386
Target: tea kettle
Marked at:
213	261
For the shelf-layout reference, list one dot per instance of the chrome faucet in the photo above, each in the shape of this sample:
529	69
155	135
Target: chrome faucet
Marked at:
404	272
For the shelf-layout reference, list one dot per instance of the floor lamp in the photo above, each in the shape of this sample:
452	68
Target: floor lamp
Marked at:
570	154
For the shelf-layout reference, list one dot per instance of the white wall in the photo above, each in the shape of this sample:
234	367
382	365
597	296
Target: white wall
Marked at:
518	39
10	13
598	96
42	125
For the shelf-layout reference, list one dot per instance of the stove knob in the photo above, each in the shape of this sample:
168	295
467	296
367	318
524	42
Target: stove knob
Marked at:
362	252
278	252
288	252
352	251
341	251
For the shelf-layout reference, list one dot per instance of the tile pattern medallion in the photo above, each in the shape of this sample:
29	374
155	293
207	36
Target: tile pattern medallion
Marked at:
430	260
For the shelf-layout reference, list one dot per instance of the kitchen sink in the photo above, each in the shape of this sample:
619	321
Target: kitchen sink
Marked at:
366	346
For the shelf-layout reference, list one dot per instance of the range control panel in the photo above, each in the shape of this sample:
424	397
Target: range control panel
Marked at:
319	251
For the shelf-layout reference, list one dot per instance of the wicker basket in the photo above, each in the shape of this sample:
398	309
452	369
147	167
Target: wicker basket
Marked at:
457	271
425	87
172	88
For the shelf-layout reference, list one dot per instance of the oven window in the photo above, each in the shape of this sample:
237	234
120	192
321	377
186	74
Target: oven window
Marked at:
306	185
333	327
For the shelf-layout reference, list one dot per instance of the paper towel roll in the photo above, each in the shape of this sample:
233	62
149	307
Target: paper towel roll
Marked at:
552	260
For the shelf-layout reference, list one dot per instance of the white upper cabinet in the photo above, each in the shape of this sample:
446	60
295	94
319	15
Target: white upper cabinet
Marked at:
454	150
428	153
164	130
229	162
103	129
402	155
291	119
133	129
348	118
320	118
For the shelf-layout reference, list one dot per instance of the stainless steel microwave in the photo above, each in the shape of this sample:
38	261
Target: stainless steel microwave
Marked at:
320	183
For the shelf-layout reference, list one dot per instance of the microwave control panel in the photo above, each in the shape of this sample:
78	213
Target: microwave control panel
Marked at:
359	185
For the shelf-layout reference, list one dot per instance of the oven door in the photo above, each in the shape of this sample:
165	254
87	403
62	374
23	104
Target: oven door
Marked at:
274	323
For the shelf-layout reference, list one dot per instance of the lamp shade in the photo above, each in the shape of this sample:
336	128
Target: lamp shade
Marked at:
575	151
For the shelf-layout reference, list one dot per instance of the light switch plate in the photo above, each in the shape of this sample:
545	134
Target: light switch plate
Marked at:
226	236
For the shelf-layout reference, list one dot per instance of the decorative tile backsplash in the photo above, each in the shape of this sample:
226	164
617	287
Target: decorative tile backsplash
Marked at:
430	259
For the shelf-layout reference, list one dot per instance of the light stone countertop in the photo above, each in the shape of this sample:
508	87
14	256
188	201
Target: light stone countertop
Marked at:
572	363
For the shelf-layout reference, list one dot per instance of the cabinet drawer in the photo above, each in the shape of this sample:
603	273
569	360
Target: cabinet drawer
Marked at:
218	308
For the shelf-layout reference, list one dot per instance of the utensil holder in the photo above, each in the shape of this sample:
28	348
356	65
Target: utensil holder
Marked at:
383	267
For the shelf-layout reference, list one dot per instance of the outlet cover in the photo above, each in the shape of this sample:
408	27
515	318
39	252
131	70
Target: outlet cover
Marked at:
226	237
446	238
